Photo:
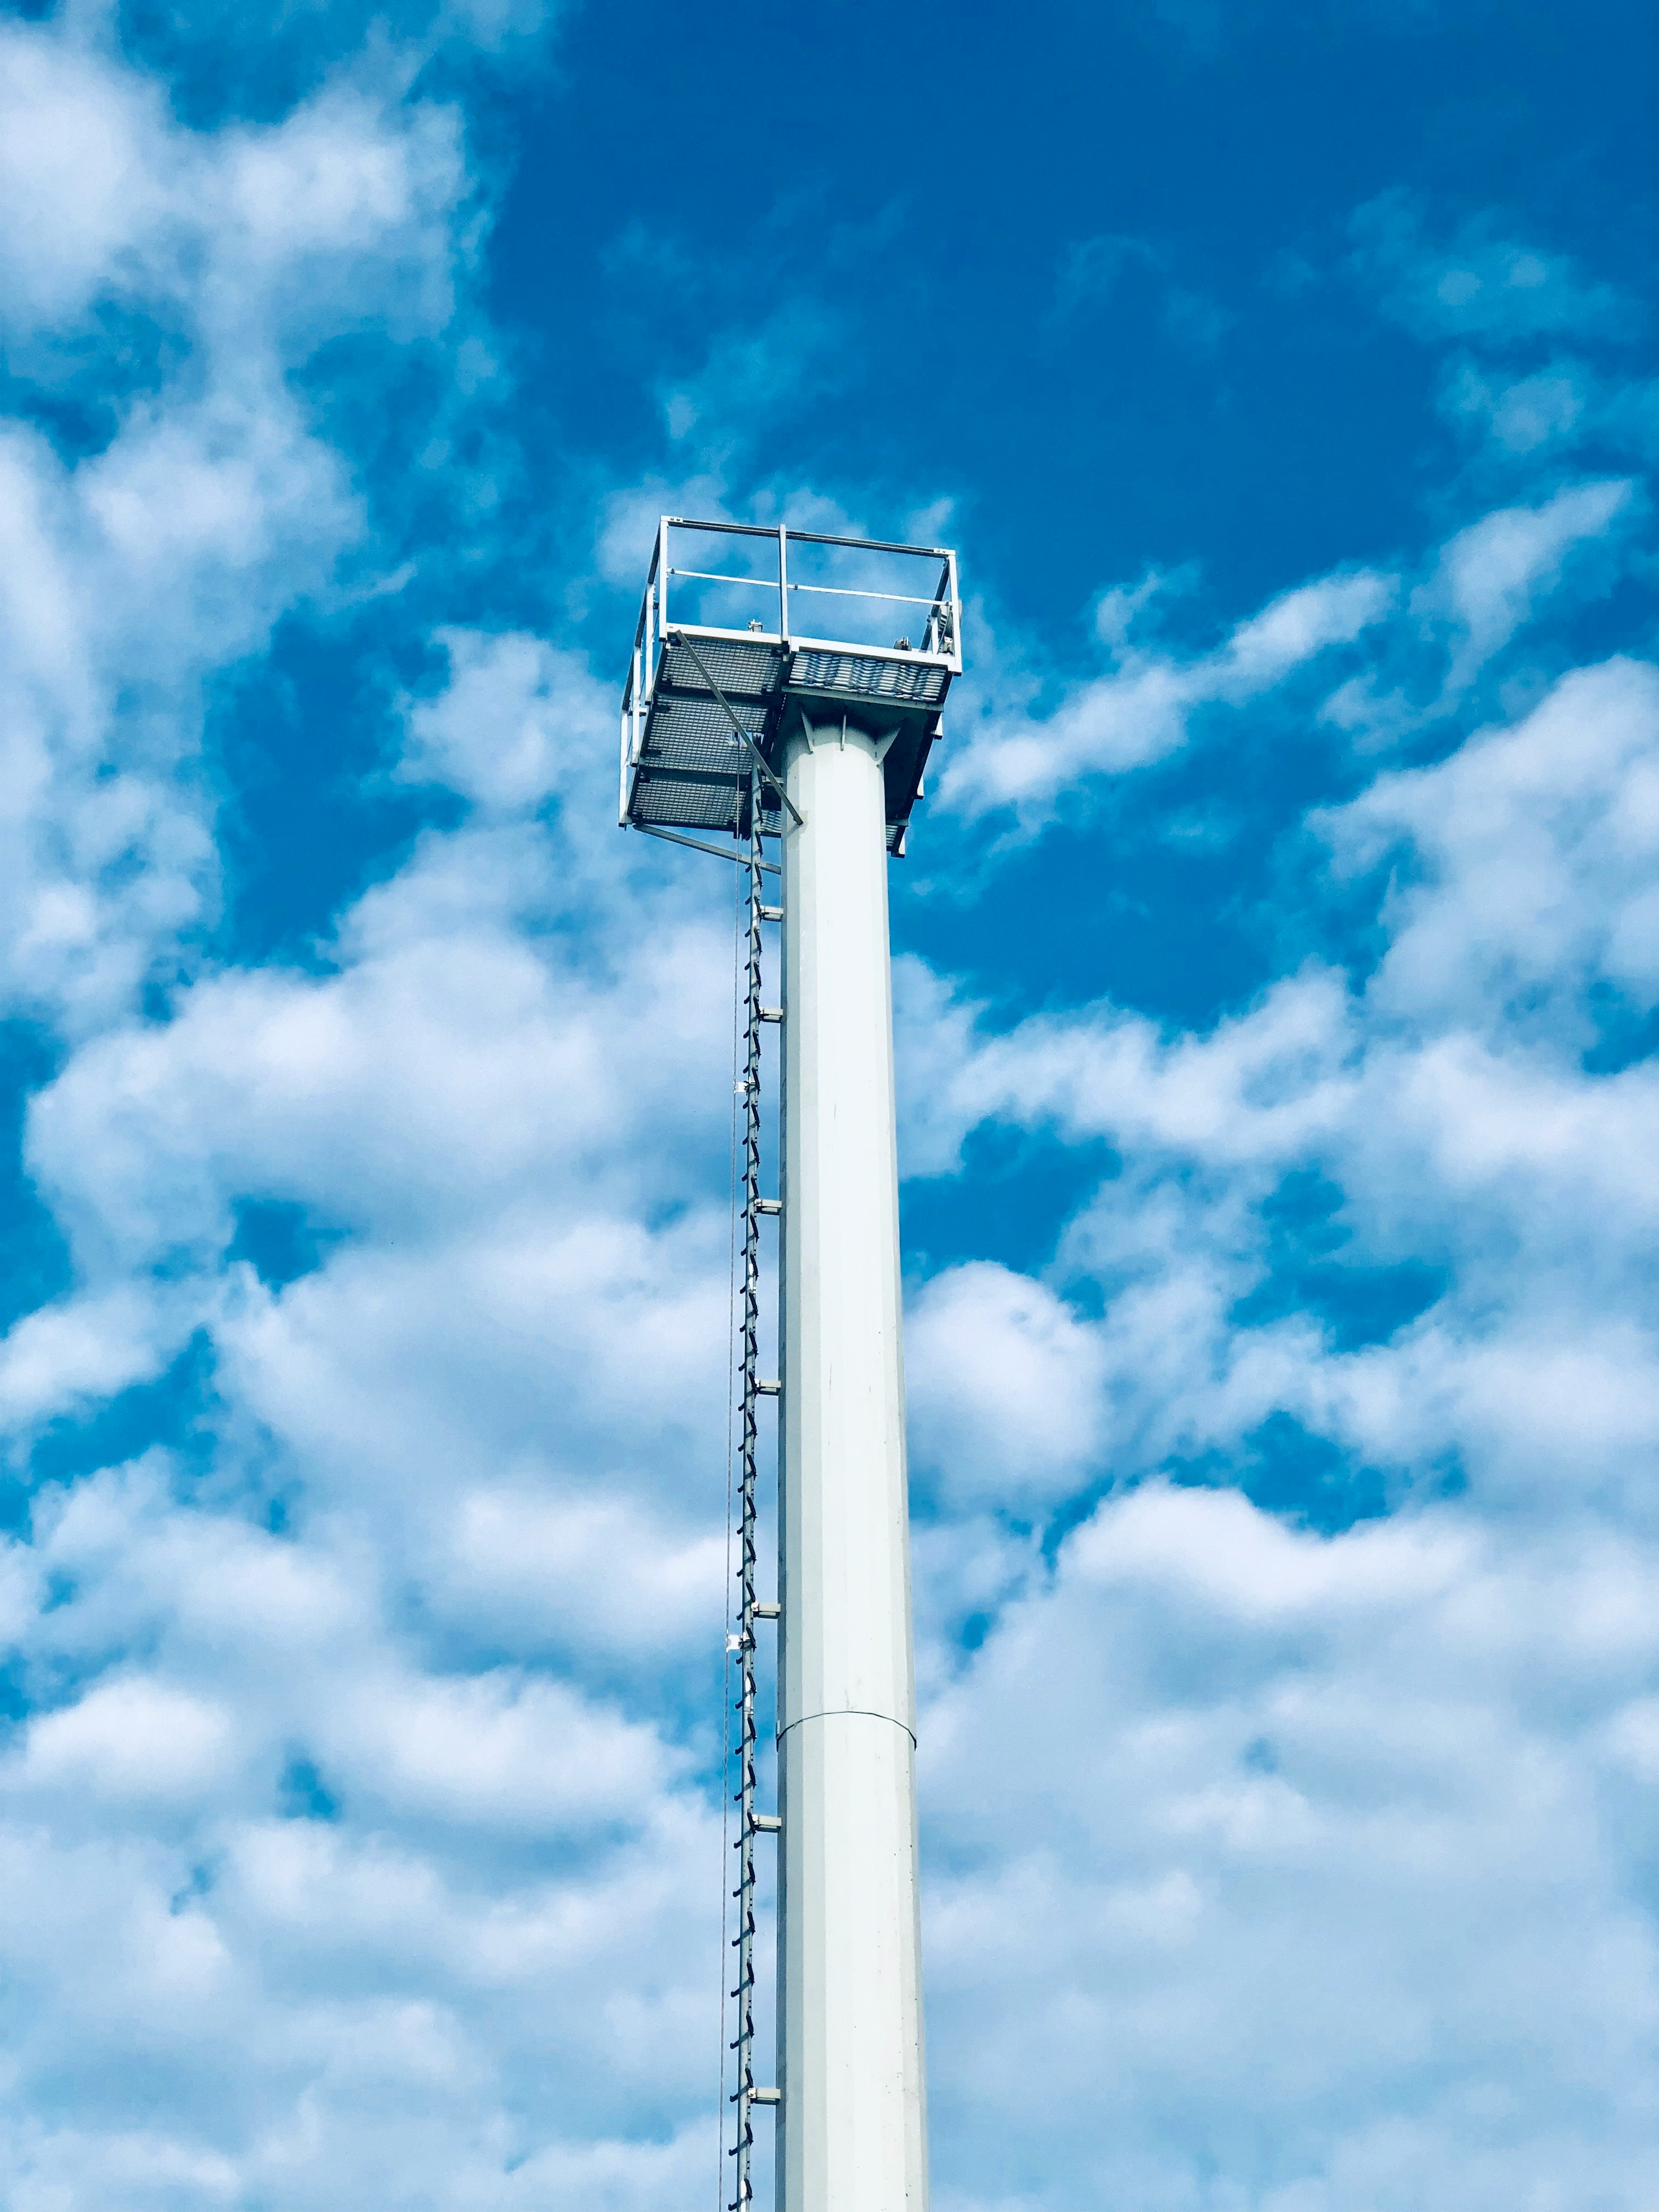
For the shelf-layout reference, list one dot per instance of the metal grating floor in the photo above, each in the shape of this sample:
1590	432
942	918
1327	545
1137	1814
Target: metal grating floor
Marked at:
690	771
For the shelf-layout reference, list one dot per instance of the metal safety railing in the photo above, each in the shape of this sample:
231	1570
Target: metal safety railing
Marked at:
664	617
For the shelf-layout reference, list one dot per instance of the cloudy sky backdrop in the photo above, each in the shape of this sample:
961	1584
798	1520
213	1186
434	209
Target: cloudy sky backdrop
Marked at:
1279	973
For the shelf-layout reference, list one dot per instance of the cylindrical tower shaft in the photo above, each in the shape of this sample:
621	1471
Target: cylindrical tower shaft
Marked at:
854	2110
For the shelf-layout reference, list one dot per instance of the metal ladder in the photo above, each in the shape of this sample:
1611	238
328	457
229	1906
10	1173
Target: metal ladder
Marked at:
751	1610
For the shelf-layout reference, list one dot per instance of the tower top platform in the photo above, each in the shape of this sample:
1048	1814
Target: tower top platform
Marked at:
744	628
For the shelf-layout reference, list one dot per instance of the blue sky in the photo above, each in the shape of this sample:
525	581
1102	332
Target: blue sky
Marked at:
1277	973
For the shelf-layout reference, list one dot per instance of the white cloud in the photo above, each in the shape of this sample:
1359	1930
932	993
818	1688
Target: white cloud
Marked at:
748	379
1478	283
1525	414
1290	1862
1263	1085
1003	1387
1447	1106
1531	853
541	1568
128	1739
1142	710
1490	577
494	1751
79	137
343	1093
1477	595
168	548
506	1844
81	1348
1571	405
514	721
1487	583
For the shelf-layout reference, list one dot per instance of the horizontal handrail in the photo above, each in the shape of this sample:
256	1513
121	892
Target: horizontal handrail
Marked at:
708	576
835	591
848	592
807	537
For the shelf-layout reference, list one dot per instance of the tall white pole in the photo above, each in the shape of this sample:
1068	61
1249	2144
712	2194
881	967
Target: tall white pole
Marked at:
854	2131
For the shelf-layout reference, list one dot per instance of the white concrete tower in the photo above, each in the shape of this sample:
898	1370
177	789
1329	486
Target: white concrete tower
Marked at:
854	2118
812	749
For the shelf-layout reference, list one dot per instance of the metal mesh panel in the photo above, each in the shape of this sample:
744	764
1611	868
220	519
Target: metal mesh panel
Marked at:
685	805
694	736
916	683
742	671
691	734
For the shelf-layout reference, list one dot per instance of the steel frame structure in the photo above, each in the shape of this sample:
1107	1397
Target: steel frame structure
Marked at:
690	684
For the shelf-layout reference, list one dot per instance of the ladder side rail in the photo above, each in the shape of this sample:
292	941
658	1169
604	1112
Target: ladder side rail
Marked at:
745	1710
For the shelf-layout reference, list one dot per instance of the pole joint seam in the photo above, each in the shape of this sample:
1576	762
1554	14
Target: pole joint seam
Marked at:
848	1712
